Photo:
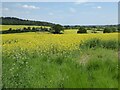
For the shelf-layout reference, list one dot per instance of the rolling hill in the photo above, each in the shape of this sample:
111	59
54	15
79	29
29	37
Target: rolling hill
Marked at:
17	21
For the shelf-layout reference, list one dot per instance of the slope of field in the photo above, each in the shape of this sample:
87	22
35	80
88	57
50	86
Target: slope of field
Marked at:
74	31
42	60
70	31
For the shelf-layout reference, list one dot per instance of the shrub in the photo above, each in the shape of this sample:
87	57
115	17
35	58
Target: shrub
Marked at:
110	44
10	29
91	43
118	28
29	28
107	30
114	29
82	30
24	29
33	29
94	43
56	29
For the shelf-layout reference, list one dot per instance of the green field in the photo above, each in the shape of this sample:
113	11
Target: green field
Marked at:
67	31
69	60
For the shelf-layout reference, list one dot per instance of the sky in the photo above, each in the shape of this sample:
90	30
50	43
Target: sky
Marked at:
64	13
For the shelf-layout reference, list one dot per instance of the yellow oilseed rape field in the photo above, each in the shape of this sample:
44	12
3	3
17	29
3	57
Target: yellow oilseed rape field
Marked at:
44	42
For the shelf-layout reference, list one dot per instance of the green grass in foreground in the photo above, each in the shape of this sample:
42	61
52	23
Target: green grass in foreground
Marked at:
90	68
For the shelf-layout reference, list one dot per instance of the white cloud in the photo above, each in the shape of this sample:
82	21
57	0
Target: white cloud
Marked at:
77	2
98	7
30	7
5	9
51	14
72	10
89	4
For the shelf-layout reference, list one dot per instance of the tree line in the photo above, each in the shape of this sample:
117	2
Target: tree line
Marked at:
26	29
59	29
54	28
107	29
17	21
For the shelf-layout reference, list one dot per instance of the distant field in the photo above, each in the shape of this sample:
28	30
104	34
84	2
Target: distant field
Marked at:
66	31
70	31
6	27
90	31
74	31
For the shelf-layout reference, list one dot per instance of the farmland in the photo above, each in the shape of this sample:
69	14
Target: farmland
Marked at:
59	45
6	27
69	60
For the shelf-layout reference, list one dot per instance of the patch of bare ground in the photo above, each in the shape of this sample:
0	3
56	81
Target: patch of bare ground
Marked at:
84	58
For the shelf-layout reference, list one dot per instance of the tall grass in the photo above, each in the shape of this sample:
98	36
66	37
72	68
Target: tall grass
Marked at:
95	43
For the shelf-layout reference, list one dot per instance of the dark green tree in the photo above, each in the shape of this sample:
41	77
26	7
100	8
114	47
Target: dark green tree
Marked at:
82	30
33	29
10	29
118	28
107	30
29	28
57	29
114	29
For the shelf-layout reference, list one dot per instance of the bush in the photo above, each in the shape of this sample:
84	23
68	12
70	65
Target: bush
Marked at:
114	29
107	30
24	29
56	29
94	43
33	28
10	29
118	28
82	30
29	28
